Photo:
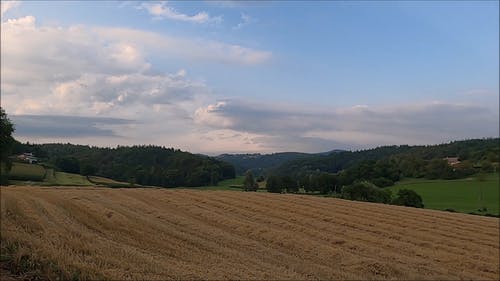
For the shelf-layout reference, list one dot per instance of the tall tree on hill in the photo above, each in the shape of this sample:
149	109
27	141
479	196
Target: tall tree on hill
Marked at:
249	182
273	184
6	143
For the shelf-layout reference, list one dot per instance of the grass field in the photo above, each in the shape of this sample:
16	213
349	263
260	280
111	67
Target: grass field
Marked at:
27	172
108	182
33	174
460	195
70	179
160	234
230	184
235	184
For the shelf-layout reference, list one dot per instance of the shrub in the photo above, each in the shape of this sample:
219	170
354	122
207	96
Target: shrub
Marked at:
410	198
382	182
366	191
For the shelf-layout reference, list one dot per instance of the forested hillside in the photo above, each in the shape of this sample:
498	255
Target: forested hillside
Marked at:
383	166
259	163
145	165
410	158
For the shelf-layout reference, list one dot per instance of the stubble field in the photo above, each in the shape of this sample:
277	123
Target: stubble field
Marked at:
99	233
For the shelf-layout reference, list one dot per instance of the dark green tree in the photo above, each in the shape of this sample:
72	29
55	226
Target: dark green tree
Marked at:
289	184
273	184
249	183
366	191
68	164
87	169
410	198
6	143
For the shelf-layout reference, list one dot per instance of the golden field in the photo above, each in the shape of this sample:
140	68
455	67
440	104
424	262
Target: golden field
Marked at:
100	233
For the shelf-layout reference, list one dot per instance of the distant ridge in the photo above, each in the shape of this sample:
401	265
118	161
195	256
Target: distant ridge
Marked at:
260	163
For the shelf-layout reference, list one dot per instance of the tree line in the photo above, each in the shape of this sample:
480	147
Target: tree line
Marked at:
385	165
328	183
144	165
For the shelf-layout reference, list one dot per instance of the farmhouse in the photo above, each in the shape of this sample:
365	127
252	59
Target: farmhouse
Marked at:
452	161
28	157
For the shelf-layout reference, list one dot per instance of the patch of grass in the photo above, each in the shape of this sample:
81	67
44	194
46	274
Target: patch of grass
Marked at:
463	195
230	184
62	178
109	182
27	172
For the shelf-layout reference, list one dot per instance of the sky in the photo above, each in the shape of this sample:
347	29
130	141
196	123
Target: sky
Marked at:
251	77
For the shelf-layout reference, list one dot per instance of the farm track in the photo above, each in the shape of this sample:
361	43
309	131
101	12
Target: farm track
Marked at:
188	234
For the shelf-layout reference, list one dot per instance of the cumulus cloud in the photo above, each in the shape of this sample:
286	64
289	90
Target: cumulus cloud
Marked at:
109	72
355	127
8	5
93	70
162	10
84	71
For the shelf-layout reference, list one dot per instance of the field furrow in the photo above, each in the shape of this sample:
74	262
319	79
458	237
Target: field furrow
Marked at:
99	233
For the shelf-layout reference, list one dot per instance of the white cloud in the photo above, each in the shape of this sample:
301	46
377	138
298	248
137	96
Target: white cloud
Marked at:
44	67
87	71
190	49
245	20
208	116
8	5
77	70
110	72
162	10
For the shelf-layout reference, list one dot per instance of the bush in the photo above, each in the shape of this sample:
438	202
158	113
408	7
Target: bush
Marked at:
410	198
366	191
382	182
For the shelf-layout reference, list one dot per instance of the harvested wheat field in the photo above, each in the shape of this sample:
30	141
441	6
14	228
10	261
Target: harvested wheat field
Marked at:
98	233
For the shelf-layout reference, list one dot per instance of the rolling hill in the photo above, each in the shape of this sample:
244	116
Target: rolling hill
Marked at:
260	163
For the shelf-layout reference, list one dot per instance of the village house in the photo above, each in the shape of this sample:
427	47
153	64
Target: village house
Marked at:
452	161
28	157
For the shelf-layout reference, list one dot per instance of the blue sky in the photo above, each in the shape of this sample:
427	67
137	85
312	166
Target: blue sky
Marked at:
226	76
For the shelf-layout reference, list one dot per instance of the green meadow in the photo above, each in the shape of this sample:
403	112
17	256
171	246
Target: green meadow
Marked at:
463	195
34	174
27	172
229	184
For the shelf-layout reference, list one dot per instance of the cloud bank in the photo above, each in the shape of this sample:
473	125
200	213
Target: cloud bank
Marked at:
65	126
281	128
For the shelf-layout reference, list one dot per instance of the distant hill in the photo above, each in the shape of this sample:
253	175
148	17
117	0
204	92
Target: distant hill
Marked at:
145	165
475	151
260	163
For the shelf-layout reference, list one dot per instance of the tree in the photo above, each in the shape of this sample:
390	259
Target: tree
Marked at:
68	164
87	169
410	198
289	184
366	191
273	184
6	143
249	183
438	169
